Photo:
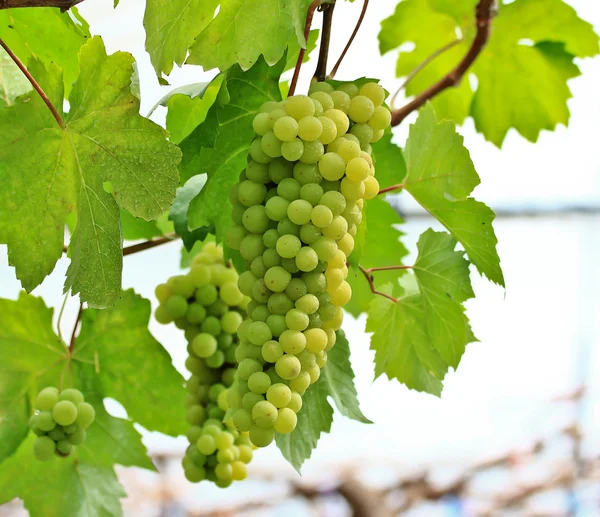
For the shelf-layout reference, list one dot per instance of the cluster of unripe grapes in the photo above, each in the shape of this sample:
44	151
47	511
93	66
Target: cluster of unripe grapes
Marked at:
208	305
296	209
59	422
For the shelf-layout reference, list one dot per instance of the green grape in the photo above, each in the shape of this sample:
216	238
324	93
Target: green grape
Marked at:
307	259
249	400
321	217
201	275
269	106
176	306
307	174
293	341
224	471
329	131
337	229
308	303
247	367
257	267
271	145
361	109
295	290
357	169
162	292
314	372
327	311
318	108
364	133
44	448
195	415
260	291
46	399
260	123
235	235
288	367
258	172
271	351
258	333
371	187
216	360
230	295
309	128
374	92
257	153
332	166
260	436
224	440
316	283
277	324
292	150
324	99
275	115
341	296
325	248
335	201
334	277
289	264
287	227
341	101
276	208
313	152
288	246
271	258
286	421
239	471
301	383
350	88
77	437
264	414
211	325
316	340
299	211
279	169
300	106
251	193
85	414
352	190
214	391
286	129
340	119
252	246
204	345
270	238
206	444
231	321
307	358
277	279
309	233
181	285
320	87
296	402
346	244
348	150
196	313
328	186
207	295
289	189
193	433
245	282
57	434
255	219
64	412
194	473
242	419
280	303
279	395
351	138
311	192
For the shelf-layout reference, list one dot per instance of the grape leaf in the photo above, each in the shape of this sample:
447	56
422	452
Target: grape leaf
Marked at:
55	171
382	247
315	417
171	27
243	30
179	211
12	81
440	177
443	278
116	343
28	348
60	487
219	146
135	228
518	42
27	32
390	167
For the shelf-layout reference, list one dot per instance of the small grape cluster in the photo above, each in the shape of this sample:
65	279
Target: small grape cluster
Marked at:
59	422
208	305
296	209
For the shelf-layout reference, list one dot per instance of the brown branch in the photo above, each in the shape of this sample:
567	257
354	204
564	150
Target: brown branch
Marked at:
422	65
34	83
399	186
354	33
483	15
73	334
136	248
321	69
309	16
387	268
64	5
369	278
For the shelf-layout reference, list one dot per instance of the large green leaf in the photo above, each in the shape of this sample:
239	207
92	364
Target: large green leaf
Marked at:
117	346
243	30
61	487
179	212
46	34
515	69
440	177
12	81
51	172
219	146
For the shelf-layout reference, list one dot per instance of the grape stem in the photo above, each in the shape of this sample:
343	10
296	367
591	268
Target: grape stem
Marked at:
399	186
33	82
309	17
484	13
152	243
423	65
354	33
64	5
369	276
74	333
321	68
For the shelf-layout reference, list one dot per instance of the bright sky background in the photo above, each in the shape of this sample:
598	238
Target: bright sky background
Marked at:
534	337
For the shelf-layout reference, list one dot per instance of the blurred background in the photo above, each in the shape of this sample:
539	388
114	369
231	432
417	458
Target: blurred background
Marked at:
517	429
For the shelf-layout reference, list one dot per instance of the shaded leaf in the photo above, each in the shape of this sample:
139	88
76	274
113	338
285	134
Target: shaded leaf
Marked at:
179	211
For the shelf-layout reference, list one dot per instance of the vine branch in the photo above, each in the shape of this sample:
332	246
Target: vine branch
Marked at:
354	33
321	69
73	334
483	15
136	248
34	83
64	5
399	186
369	277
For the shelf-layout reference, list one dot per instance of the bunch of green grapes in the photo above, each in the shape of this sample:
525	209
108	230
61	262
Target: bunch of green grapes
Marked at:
208	305
296	209
59	422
